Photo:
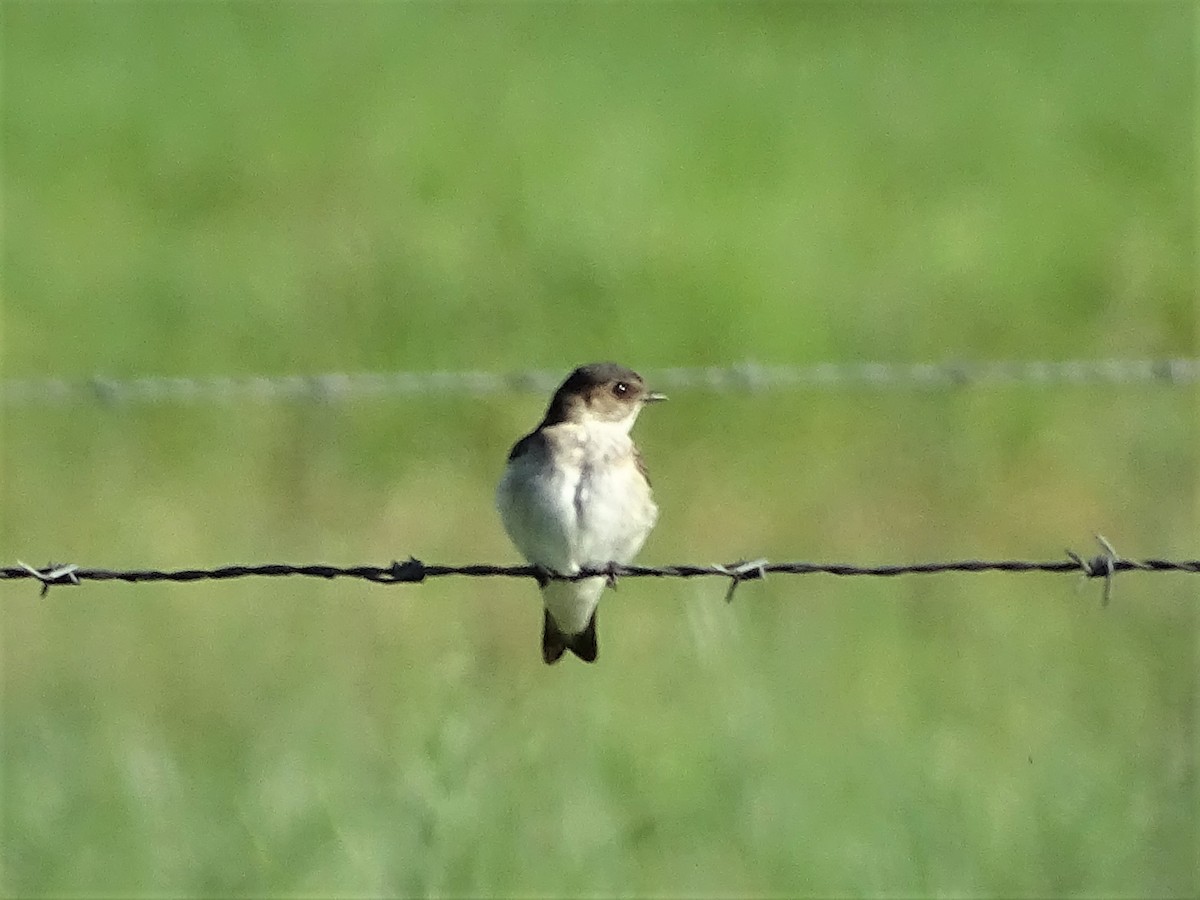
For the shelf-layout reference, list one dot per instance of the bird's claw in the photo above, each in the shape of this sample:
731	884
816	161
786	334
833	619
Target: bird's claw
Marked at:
610	575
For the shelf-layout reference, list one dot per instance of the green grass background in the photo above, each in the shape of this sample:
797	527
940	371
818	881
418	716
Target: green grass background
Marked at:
211	189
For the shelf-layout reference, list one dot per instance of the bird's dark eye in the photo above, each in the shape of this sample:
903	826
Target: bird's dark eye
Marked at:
620	389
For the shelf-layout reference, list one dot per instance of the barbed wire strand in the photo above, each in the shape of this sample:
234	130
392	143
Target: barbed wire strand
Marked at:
743	377
413	571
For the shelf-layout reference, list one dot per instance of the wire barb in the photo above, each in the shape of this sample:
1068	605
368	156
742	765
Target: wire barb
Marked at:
1102	566
54	573
742	570
411	571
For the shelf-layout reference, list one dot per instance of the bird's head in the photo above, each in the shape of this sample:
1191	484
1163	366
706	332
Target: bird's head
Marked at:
601	392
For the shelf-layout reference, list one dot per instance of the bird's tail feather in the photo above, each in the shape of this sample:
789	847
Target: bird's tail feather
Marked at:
555	642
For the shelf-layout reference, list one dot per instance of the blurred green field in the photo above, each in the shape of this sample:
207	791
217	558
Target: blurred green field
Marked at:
212	189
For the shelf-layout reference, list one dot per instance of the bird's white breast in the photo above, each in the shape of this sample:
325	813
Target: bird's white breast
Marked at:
613	505
577	501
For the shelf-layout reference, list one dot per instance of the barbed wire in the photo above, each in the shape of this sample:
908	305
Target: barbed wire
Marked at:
1106	565
746	377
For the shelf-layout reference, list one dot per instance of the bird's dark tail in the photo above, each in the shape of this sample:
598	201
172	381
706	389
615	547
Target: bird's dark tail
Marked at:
555	642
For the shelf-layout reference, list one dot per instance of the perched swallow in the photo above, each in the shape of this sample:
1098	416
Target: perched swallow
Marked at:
575	495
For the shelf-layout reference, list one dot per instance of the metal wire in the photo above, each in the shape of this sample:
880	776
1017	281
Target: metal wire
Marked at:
413	571
745	377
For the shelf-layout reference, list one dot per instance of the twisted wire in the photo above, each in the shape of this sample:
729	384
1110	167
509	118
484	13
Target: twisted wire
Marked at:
413	571
743	377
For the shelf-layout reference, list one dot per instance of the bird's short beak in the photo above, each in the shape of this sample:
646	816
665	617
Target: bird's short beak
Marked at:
654	397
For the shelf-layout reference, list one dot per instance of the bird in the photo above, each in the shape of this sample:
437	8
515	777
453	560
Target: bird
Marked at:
575	494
